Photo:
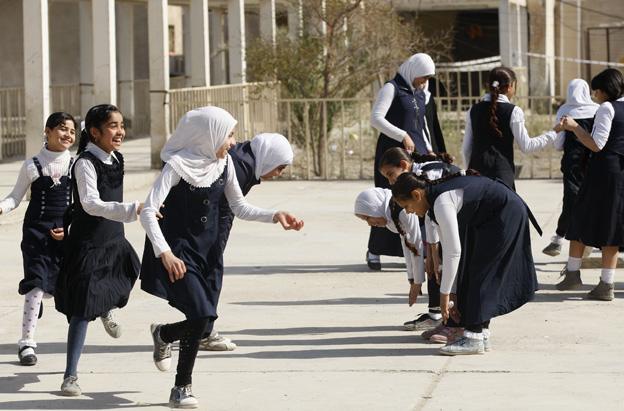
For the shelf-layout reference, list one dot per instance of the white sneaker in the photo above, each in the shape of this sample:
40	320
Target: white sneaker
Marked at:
216	342
110	325
162	350
70	387
182	397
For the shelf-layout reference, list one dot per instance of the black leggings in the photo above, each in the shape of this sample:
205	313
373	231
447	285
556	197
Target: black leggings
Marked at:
188	332
478	328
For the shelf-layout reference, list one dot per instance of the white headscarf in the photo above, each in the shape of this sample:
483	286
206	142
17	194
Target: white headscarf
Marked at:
191	149
374	202
418	65
578	103
271	150
427	93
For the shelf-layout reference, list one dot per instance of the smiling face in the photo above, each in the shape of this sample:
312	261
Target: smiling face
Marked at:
222	151
373	221
416	204
391	173
111	134
61	137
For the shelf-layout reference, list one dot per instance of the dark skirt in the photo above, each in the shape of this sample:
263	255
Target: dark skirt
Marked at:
196	295
599	213
96	278
381	240
497	273
492	163
41	256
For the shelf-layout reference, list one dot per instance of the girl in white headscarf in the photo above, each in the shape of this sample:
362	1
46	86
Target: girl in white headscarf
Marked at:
375	206
399	115
264	157
182	248
581	108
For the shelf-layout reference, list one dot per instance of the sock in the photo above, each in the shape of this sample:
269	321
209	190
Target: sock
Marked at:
32	301
435	313
574	264
474	336
76	335
607	274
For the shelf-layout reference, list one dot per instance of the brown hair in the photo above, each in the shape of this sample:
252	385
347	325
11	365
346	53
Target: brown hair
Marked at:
499	79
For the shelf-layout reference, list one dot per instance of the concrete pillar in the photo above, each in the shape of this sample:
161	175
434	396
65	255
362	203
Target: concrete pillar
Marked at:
218	63
186	45
236	41
104	52
125	59
86	56
506	29
295	20
158	30
36	72
268	29
549	44
200	47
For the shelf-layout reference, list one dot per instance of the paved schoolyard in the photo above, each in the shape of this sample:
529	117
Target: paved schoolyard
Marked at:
316	330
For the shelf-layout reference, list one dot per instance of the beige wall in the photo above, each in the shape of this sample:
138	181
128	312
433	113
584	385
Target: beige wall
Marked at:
11	35
64	43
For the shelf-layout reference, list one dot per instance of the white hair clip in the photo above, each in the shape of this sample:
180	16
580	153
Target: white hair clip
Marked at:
418	173
495	84
462	173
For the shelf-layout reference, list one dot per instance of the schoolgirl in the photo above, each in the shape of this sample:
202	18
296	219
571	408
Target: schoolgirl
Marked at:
487	261
598	220
393	163
582	109
376	208
99	265
262	158
47	176
181	251
492	126
399	115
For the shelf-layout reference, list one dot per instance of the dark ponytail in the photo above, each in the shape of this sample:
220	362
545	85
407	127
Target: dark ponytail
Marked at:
408	182
499	80
611	82
395	211
393	157
96	117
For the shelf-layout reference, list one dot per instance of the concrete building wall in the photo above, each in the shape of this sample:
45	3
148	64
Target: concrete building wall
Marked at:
64	43
11	46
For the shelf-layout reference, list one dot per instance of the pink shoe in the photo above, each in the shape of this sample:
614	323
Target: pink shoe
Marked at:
427	334
447	335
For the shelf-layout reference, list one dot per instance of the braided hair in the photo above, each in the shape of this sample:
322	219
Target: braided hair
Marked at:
395	211
393	157
408	182
499	81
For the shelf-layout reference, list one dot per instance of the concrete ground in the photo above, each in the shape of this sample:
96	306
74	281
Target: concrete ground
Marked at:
317	330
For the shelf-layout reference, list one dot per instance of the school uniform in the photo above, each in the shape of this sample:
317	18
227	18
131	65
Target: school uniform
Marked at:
433	130
493	156
484	232
598	219
99	266
47	176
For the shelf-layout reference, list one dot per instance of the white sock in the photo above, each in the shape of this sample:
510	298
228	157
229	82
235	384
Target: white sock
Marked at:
607	274
486	333
435	316
574	264
474	336
32	301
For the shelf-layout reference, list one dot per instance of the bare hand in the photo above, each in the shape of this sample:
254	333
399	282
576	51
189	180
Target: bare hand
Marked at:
57	233
559	126
408	143
569	123
454	312
174	266
139	208
445	307
429	265
288	221
414	292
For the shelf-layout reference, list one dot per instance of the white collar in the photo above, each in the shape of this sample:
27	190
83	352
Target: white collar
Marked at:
100	154
51	156
501	98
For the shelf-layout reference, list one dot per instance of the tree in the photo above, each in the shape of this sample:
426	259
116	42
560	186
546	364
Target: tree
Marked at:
347	47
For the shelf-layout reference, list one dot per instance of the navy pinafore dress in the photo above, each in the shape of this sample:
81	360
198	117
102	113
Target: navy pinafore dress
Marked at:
496	273
41	253
190	225
99	265
599	213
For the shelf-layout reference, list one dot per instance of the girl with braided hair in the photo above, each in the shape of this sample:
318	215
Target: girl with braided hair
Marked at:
488	265
375	206
393	163
492	126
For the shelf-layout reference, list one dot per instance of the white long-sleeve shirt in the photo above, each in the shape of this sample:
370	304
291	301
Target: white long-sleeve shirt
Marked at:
54	164
168	179
414	263
602	123
378	117
518	129
86	180
446	208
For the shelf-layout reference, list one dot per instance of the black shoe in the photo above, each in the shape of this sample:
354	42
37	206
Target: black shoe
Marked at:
373	261
27	356
40	310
